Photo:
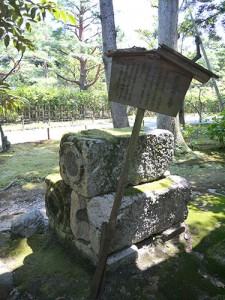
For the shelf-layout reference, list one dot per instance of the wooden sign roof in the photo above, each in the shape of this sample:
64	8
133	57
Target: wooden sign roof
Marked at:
198	72
155	80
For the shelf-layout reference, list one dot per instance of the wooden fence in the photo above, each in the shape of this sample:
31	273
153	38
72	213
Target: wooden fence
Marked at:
57	113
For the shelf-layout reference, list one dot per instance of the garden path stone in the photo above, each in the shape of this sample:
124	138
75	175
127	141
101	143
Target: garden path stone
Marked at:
28	224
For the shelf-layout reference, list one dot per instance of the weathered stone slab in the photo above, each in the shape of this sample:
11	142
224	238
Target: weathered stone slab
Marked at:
146	209
91	161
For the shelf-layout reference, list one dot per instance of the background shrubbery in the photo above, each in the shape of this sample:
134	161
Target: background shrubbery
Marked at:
80	103
217	128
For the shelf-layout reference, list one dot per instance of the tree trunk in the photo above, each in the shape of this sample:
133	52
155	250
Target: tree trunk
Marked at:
168	35
5	142
118	111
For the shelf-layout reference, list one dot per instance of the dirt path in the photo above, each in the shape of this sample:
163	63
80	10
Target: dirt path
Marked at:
16	201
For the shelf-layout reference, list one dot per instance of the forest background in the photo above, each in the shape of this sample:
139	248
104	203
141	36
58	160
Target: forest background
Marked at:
63	76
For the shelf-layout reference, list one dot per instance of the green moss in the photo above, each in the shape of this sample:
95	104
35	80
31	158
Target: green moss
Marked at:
110	135
16	252
29	162
49	273
206	220
152	186
216	257
32	186
54	178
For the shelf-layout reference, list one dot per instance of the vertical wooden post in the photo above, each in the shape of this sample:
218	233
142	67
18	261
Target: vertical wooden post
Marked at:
48	132
109	228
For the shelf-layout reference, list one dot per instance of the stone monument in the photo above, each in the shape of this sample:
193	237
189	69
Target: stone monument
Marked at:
113	191
79	199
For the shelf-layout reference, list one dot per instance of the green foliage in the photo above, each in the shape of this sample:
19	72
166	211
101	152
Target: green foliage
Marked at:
197	135
201	99
217	128
15	19
150	37
17	16
70	99
8	101
209	16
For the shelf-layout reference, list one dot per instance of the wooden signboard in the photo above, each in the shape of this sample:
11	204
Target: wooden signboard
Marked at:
154	80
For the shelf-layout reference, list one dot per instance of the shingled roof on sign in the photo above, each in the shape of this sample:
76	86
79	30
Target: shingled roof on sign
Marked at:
155	80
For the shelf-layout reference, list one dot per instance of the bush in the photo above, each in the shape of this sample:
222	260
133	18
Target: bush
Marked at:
40	95
216	129
65	98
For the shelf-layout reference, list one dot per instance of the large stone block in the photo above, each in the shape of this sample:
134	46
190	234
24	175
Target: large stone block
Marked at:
146	209
91	161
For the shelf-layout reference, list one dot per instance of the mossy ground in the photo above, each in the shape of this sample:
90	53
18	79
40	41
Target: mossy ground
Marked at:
30	163
44	270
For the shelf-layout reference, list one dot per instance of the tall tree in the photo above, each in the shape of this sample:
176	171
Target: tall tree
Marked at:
207	18
82	53
168	35
118	111
15	21
209	15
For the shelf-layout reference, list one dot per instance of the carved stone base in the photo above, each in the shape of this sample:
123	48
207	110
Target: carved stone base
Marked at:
146	210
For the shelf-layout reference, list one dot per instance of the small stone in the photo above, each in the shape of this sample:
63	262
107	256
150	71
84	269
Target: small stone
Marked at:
28	224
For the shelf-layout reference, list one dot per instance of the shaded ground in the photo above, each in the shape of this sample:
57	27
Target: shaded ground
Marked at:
192	267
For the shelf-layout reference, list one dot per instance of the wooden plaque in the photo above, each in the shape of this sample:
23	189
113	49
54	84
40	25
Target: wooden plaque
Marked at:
148	82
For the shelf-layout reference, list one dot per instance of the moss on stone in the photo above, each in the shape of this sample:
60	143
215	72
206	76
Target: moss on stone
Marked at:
162	184
53	178
111	135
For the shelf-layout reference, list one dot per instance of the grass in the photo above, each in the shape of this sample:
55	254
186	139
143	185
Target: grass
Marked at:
30	162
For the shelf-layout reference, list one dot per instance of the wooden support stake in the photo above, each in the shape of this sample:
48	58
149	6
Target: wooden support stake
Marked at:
48	132
109	228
